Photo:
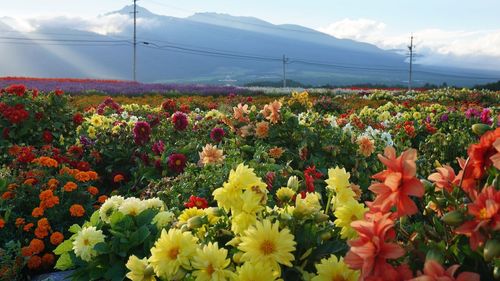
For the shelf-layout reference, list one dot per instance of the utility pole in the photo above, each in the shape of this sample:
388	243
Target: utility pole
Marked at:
410	48
135	40
285	61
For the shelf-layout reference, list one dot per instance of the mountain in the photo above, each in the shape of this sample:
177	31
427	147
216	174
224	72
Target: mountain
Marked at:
207	48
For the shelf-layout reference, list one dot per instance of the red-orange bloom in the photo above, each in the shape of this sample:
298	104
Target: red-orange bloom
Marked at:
397	183
28	227
2	223
370	251
480	153
271	111
37	212
93	190
495	159
48	260
70	186
56	238
445	178
102	199
34	262
77	210
7	195
37	246
433	271
20	222
486	217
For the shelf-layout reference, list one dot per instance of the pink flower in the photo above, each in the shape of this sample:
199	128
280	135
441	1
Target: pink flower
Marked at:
444	178
433	271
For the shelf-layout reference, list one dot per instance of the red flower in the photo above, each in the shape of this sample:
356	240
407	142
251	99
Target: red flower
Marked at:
142	132
59	92
180	121
198	202
217	134
17	90
177	162
169	105
47	136
433	271
310	174
78	119
5	133
370	251
480	154
485	210
397	183
445	178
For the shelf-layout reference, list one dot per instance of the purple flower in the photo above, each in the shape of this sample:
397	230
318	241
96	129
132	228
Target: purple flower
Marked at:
86	141
217	134
444	117
485	116
142	132
177	162
472	112
158	147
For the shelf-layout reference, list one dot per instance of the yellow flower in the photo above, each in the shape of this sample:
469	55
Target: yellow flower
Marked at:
162	219
307	206
334	269
132	206
91	132
264	244
154	203
285	194
96	120
109	207
337	178
190	213
252	272
173	250
247	215
140	270
210	263
85	241
346	213
211	155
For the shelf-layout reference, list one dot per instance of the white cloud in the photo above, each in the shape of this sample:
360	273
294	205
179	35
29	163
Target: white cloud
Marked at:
457	47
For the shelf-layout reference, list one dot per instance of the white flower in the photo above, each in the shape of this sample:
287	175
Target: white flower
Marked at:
134	118
109	207
124	115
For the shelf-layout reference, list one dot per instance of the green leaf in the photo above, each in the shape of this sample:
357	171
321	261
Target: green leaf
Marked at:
75	228
64	262
116	272
145	217
64	247
140	235
102	248
94	219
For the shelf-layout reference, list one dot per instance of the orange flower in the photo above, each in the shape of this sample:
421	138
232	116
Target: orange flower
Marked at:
49	203
486	219
262	130
46	162
82	177
53	183
480	154
26	251
495	159
34	262
30	181
93	190
77	210
435	271
366	146
102	199
397	183
70	186
37	212
28	227
20	222
370	251
46	195
240	111
48	260
37	246
56	238
12	186
276	152
118	178
271	111
92	175
2	223
7	195
41	233
444	178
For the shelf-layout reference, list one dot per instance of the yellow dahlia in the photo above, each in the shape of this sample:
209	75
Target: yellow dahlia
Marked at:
264	244
337	178
85	241
132	206
173	250
285	194
334	269
109	207
348	212
210	264
140	270
253	272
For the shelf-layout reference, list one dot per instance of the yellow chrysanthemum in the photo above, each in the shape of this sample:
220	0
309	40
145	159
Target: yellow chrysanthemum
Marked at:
91	132
96	120
162	219
132	206
307	206
190	213
154	203
285	194
342	196
85	241
244	178
265	244
109	207
140	270
337	178
210	264
347	213
246	216
334	269
173	250
252	272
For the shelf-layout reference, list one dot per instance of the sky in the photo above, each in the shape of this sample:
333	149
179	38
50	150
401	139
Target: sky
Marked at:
461	30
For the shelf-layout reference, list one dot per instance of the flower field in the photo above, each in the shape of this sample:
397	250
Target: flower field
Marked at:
350	185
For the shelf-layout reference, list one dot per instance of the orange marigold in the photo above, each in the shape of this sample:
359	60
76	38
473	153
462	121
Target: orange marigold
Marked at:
2	223
49	203
41	233
56	238
30	181
37	212
34	262
46	194
28	227
46	162
26	251
53	183
48	260
70	186
102	199
20	222
82	176
7	195
93	190
37	246
77	210
118	178
12	186
276	152
92	175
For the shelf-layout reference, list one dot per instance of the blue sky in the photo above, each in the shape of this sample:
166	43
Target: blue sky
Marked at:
466	32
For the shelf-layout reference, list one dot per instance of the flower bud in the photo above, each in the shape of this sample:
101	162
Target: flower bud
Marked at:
195	222
320	217
453	218
491	249
480	129
237	257
293	183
